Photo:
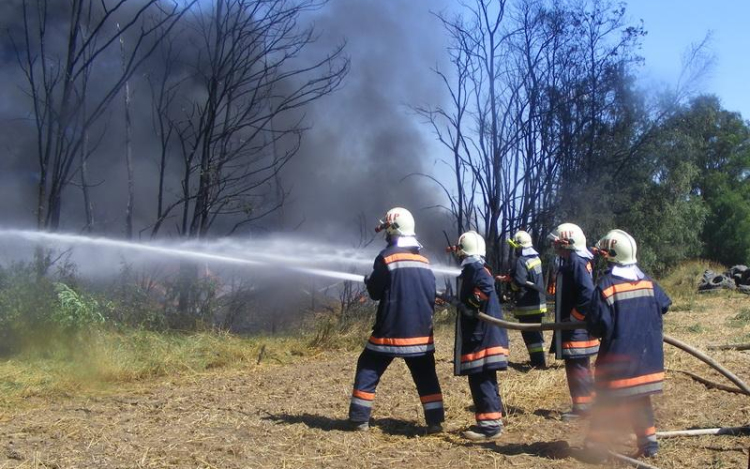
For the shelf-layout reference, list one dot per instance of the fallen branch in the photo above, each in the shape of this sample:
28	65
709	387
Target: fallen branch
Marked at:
711	384
729	347
708	360
734	431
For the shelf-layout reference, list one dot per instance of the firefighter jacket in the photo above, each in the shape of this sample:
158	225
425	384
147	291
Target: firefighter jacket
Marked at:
627	315
404	285
479	346
573	291
528	268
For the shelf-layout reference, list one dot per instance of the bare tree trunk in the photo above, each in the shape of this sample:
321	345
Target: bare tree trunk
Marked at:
56	78
128	144
88	205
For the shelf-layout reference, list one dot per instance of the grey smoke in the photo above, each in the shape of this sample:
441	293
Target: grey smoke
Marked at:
363	142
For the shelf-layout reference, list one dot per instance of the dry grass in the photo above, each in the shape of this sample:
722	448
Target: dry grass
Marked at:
289	412
99	361
682	283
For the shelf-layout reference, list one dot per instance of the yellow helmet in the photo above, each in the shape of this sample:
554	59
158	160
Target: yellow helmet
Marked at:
618	247
520	240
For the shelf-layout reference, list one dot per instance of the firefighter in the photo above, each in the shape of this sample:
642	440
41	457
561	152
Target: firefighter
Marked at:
573	289
527	281
480	349
404	285
626	313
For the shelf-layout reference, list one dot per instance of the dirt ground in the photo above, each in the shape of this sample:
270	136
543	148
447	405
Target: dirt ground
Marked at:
293	415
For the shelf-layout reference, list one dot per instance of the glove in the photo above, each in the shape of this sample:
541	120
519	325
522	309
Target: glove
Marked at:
367	279
466	311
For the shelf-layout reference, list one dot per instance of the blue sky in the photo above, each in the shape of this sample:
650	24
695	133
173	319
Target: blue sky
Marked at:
673	25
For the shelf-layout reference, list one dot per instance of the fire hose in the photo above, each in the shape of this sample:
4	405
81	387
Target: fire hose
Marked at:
671	341
552	326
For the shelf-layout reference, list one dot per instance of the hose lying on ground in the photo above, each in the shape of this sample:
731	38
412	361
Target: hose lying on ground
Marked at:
710	384
553	326
734	431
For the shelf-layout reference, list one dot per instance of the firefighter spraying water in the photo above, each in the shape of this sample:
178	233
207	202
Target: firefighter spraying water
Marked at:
404	286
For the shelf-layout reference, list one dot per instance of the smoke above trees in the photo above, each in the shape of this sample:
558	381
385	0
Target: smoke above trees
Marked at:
245	115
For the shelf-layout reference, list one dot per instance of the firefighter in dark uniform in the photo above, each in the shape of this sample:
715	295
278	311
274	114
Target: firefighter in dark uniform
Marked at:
403	283
626	313
527	281
574	288
481	348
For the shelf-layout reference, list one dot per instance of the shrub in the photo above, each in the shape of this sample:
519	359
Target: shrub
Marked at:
75	311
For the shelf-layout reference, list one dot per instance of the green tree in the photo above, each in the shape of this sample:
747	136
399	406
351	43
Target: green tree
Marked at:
718	143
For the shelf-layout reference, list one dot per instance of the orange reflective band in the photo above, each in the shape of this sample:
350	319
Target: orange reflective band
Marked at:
577	315
582	399
483	353
645	379
368	396
626	287
648	431
581	344
409	341
489	416
406	257
431	398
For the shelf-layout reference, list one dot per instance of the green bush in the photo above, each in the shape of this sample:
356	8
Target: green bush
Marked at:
75	311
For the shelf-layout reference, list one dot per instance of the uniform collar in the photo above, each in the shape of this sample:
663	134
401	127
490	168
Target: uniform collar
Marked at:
529	252
628	272
585	253
472	260
407	242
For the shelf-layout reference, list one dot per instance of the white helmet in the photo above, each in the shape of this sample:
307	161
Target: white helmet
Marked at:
568	236
618	247
520	240
398	222
471	243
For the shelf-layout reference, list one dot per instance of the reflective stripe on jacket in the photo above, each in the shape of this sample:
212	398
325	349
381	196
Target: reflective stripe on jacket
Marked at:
627	315
404	284
575	287
528	300
479	346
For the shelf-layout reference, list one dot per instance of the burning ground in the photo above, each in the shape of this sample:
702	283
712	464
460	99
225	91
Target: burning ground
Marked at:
289	410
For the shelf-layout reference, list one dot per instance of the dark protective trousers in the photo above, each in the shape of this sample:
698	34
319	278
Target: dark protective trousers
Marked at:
580	383
638	413
372	365
534	340
488	406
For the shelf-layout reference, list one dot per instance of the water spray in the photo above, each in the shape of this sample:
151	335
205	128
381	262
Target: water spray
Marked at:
314	256
39	237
